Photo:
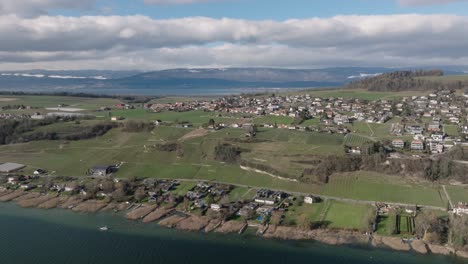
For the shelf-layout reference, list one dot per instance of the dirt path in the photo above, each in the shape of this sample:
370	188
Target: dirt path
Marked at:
447	195
194	134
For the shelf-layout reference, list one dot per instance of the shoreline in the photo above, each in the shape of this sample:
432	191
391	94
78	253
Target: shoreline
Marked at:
167	216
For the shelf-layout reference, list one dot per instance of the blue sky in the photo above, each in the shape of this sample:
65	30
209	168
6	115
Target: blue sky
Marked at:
269	9
148	35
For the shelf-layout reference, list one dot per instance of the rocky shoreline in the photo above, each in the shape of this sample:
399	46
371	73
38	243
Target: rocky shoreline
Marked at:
171	218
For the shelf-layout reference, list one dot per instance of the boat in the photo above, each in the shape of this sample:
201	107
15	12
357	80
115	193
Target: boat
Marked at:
104	228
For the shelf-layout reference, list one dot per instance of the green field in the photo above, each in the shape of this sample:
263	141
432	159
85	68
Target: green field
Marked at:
311	211
271	119
347	216
375	187
356	140
241	193
457	193
183	188
54	101
140	158
451	130
386	225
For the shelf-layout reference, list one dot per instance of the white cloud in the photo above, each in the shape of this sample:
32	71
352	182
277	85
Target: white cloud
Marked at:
41	7
140	42
427	2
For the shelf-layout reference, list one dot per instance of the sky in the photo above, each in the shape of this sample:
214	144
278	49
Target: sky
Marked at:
163	34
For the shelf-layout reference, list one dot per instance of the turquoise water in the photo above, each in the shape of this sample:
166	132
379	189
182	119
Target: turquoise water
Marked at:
60	236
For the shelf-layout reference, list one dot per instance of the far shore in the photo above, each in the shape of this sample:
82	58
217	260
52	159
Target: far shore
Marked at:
166	215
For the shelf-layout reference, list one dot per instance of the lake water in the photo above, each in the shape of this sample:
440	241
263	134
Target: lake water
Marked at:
61	237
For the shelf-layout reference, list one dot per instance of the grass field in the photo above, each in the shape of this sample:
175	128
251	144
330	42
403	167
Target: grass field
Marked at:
183	188
451	130
347	216
54	101
271	119
375	187
241	193
386	225
457	193
140	159
311	211
356	140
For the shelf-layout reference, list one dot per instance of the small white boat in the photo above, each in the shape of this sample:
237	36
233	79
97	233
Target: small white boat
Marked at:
104	228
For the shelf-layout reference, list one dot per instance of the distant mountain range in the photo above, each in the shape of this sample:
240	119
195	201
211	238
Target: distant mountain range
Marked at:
166	81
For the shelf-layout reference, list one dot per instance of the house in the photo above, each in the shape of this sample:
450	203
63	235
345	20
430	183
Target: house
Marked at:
398	143
417	145
436	147
265	210
310	199
434	127
39	172
71	187
13	180
247	209
101	170
462	208
268	201
415	129
437	136
216	207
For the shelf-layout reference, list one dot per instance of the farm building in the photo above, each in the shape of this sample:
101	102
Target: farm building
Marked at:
11	167
101	170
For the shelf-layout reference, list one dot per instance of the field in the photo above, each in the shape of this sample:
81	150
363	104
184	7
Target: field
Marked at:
404	224
54	101
311	211
375	187
386	225
347	216
183	188
241	193
447	78
288	153
356	140
283	150
457	193
451	130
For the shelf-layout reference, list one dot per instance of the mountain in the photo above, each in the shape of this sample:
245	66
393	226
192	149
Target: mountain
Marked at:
188	81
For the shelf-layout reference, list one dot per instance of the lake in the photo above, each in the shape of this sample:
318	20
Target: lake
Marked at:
61	236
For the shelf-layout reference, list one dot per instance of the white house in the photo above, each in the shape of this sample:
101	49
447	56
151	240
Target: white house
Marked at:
462	208
309	200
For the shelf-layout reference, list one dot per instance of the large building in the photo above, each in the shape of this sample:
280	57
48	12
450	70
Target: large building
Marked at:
11	167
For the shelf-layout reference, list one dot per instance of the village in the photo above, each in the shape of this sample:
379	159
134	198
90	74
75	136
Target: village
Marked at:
208	205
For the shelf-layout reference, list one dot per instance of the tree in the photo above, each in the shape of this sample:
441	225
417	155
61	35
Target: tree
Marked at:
211	122
107	186
140	194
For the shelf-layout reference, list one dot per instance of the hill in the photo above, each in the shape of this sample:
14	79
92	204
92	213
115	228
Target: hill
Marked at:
420	80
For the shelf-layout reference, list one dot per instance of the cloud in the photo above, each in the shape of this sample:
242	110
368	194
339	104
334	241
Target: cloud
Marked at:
427	2
41	7
140	42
